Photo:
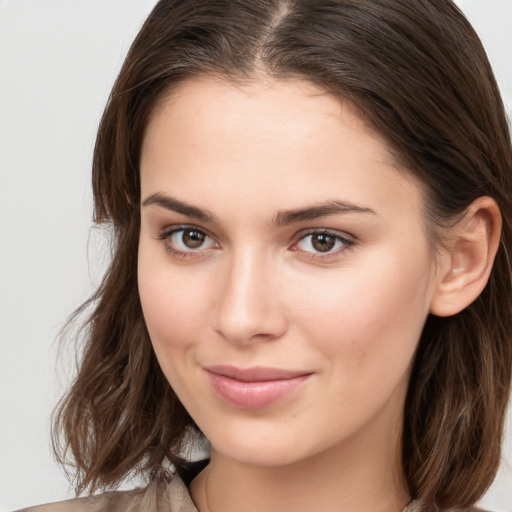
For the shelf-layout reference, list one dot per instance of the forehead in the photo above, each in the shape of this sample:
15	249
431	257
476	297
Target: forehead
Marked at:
267	105
285	142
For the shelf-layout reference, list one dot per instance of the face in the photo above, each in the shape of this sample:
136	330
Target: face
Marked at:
284	270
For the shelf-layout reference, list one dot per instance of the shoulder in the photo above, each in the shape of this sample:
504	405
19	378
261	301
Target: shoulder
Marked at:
112	501
159	496
418	506
473	509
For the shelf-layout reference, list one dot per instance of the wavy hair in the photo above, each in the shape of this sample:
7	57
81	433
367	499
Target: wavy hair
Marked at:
418	74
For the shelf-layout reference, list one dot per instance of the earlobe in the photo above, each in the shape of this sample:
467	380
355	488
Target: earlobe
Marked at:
466	264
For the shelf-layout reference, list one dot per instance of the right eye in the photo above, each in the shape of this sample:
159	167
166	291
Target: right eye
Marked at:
187	240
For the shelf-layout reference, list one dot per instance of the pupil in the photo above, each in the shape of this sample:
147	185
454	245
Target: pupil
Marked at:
323	243
192	239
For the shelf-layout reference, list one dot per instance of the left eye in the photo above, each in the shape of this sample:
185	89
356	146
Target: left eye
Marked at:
322	243
189	239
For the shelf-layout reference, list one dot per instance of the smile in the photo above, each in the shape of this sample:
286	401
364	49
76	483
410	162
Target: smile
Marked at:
253	388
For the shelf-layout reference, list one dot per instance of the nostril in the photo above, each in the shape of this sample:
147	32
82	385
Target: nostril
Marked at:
248	322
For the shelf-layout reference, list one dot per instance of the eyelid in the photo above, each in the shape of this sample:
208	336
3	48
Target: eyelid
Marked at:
324	231
169	231
348	241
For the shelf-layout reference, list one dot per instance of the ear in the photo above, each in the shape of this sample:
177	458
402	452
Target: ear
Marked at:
465	265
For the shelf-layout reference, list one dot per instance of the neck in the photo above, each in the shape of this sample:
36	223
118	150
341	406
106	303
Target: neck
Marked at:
352	477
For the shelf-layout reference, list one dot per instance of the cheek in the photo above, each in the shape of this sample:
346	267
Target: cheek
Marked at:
172	302
172	310
368	319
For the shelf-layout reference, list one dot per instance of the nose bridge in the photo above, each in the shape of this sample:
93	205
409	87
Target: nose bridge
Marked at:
246	305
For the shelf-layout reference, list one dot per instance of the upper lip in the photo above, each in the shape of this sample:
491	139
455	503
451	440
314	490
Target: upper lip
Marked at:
255	373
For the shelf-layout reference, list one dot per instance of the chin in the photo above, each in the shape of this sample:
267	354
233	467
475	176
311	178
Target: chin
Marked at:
255	446
258	456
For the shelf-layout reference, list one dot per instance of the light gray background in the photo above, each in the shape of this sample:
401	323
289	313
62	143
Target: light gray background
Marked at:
58	60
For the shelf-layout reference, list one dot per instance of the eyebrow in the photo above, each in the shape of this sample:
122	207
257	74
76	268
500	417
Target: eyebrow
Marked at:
331	207
282	218
172	204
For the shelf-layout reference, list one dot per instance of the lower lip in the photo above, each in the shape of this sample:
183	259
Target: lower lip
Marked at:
253	395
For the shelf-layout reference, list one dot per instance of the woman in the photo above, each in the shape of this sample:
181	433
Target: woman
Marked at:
311	205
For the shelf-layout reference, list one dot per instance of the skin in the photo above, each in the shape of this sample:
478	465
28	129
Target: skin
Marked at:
258	294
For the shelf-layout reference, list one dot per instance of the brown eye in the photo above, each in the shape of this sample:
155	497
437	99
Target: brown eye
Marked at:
192	238
187	240
323	242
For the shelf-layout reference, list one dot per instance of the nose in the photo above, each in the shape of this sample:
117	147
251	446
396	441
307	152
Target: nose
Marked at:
247	303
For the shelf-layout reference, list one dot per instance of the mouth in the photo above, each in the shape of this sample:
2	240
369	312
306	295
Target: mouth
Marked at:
256	387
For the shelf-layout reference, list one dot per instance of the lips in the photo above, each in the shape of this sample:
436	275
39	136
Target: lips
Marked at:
254	388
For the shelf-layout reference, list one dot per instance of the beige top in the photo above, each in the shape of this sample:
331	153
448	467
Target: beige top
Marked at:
159	496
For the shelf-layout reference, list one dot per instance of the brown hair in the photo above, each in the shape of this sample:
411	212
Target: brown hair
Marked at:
418	74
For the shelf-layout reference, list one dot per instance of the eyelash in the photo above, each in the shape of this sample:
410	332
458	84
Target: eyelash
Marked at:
168	233
347	243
